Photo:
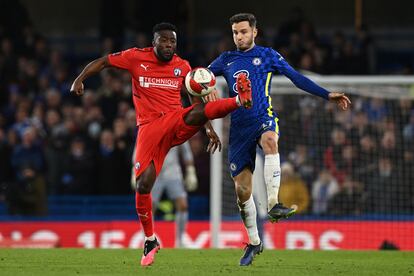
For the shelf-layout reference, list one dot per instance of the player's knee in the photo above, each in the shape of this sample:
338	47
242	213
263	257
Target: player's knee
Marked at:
181	204
144	186
243	193
269	145
146	180
196	116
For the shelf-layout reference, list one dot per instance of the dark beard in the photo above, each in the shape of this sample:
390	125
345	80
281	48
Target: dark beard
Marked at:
161	57
164	59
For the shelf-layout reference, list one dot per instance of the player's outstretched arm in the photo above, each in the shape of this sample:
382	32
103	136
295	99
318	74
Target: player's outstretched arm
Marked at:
92	68
308	85
340	99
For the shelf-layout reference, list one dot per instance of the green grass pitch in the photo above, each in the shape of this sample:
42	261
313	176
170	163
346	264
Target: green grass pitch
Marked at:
203	262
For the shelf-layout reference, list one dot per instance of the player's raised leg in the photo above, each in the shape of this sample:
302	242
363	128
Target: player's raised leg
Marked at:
247	207
276	210
143	203
244	88
220	108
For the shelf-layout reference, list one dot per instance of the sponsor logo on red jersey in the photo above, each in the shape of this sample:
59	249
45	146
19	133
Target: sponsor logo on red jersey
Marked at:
159	82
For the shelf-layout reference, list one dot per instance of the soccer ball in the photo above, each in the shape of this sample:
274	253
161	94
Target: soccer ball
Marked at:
200	82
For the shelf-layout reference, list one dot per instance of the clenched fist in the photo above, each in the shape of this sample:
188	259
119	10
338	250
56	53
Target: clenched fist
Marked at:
77	88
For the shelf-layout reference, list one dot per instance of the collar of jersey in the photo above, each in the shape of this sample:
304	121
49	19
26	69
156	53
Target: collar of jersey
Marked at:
248	51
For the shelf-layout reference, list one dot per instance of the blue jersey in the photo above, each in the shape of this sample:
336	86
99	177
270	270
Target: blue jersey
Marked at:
247	125
260	64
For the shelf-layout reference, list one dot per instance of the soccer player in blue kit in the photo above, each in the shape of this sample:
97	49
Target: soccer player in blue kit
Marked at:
258	125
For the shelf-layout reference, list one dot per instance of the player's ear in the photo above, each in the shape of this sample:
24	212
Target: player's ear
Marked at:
255	32
154	39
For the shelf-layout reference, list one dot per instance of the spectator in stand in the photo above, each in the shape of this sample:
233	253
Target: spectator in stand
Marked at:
337	58
360	127
333	156
292	24
348	200
382	190
302	163
56	145
376	110
78	173
323	190
27	194
113	173
408	132
22	120
367	159
293	190
388	145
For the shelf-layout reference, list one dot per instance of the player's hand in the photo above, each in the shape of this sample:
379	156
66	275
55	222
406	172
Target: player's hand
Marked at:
191	182
77	88
212	97
340	99
214	141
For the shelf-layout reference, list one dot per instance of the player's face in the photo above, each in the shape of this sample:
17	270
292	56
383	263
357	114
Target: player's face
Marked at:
165	44
243	35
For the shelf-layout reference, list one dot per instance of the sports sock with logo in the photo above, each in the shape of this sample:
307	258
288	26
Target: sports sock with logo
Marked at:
143	204
272	178
248	215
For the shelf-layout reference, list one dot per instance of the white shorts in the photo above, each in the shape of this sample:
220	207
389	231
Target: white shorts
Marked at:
174	189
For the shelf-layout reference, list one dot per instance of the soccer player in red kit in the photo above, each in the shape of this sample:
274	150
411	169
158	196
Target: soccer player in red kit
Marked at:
157	79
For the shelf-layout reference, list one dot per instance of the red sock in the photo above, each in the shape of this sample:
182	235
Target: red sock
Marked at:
143	204
220	108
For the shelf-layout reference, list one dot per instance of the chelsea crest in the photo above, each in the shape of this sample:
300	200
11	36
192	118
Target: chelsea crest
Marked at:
257	61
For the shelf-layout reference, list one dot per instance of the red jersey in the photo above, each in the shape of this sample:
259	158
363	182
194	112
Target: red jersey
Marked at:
156	85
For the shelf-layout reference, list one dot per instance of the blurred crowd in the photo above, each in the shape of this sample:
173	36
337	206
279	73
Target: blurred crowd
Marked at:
347	163
299	43
53	143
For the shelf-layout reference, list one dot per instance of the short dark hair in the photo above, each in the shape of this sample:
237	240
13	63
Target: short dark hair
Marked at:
244	17
164	26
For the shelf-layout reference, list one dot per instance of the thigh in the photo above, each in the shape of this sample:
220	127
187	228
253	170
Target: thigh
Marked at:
196	115
242	149
183	131
154	140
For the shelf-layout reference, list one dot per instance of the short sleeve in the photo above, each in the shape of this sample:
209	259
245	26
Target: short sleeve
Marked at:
187	68
122	59
217	66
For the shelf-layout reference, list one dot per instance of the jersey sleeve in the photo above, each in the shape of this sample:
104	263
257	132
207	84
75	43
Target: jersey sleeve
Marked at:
217	66
299	80
122	59
187	68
